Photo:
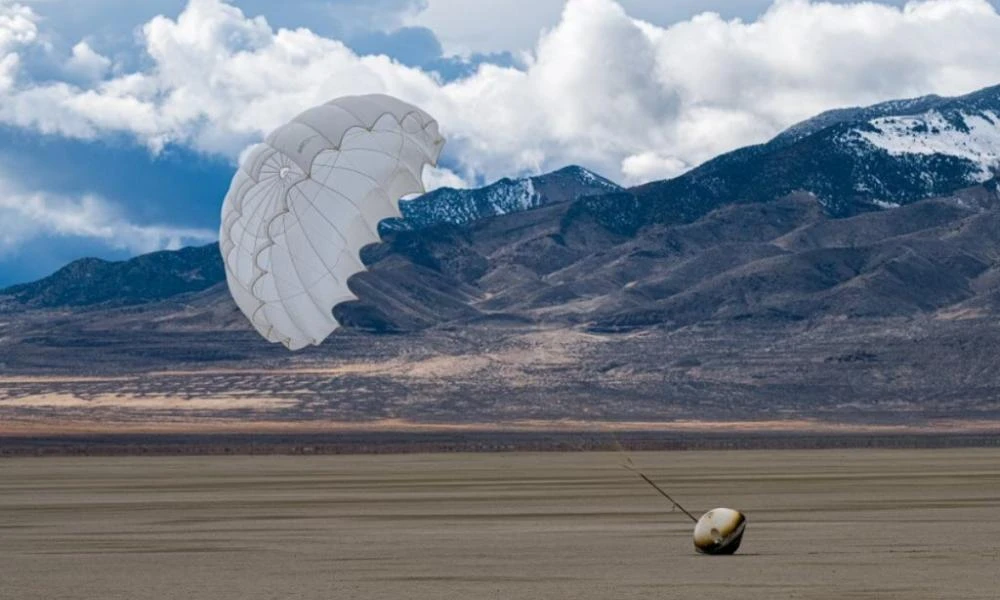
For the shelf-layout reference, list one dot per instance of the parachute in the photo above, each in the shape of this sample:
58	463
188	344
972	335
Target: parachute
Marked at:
304	203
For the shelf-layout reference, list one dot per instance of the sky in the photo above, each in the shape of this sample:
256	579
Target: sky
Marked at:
122	122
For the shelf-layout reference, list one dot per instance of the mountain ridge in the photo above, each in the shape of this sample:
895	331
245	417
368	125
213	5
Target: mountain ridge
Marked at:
160	275
144	278
839	158
506	195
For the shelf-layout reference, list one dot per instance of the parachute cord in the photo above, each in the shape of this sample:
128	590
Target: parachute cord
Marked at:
630	466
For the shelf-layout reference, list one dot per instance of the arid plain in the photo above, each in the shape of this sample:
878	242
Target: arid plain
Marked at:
822	524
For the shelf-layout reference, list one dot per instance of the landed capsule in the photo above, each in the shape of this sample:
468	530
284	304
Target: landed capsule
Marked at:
719	531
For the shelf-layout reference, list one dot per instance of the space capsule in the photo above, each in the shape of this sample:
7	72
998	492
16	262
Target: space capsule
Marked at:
719	531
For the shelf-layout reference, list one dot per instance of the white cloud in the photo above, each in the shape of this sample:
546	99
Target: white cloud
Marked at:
467	26
9	66
86	63
438	177
627	98
28	215
650	166
17	28
485	26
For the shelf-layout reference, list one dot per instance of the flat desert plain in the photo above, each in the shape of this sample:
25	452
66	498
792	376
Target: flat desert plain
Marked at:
822	524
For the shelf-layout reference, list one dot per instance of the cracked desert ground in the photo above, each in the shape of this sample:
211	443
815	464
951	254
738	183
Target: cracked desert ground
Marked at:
822	524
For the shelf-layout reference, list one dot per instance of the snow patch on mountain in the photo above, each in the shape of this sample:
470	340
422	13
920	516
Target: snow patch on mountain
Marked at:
516	196
592	178
885	204
971	136
503	197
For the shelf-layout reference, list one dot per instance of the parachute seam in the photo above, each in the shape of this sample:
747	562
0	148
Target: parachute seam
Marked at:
274	244
335	145
343	251
365	175
298	272
338	146
363	125
255	253
357	253
257	209
258	271
239	207
320	213
377	184
236	202
329	269
349	201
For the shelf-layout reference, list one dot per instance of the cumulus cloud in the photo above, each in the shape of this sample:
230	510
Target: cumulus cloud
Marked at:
633	100
648	166
489	26
439	177
17	28
86	63
26	216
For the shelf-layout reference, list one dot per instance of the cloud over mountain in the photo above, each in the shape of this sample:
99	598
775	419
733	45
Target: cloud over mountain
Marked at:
26	216
633	100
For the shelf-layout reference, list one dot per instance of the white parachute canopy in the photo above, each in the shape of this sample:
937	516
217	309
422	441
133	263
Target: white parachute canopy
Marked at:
304	203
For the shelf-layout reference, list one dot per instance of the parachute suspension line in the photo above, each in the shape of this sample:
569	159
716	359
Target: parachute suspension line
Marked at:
630	466
662	493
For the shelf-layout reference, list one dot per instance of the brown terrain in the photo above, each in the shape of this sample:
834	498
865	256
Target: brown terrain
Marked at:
781	327
894	525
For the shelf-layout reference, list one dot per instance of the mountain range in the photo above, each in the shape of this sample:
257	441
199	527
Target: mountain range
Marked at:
851	160
847	269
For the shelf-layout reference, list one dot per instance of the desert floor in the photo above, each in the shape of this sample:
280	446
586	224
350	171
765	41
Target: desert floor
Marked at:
822	524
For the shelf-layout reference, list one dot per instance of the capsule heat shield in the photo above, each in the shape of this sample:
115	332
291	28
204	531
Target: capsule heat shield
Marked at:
719	531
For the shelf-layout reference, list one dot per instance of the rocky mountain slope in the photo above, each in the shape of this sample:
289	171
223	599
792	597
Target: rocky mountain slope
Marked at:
785	260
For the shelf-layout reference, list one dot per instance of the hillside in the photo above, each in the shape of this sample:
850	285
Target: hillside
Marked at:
145	278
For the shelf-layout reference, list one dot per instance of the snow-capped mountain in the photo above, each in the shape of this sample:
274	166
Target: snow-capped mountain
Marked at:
908	106
463	207
974	137
852	160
